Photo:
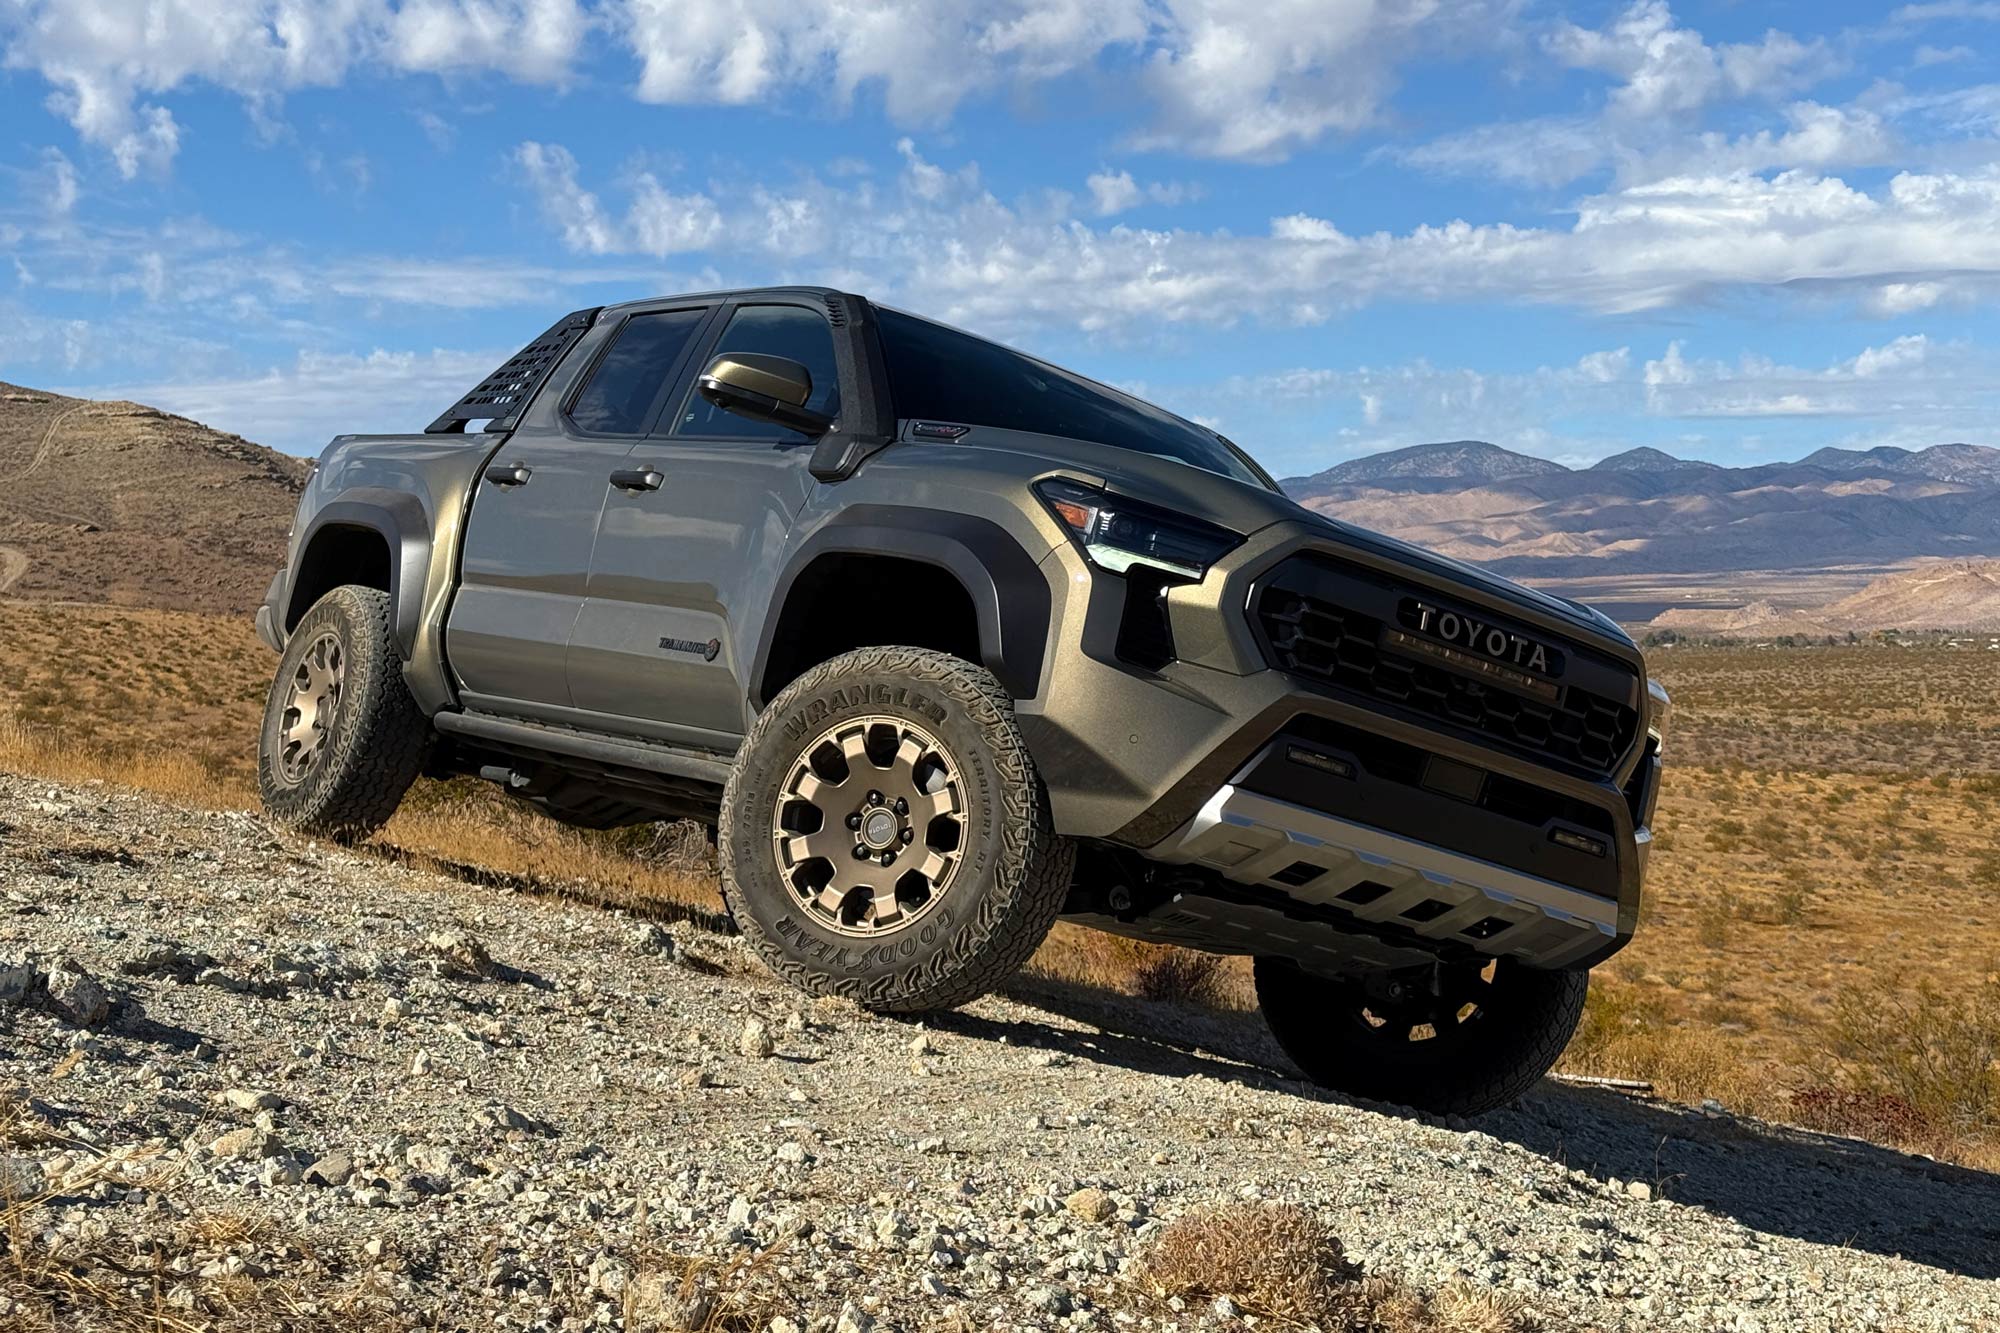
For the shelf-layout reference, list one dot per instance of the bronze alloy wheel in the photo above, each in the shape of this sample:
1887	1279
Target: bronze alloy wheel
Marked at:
312	705
868	826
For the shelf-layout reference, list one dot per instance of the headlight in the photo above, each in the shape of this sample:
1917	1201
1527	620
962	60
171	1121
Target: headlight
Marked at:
1660	708
1116	534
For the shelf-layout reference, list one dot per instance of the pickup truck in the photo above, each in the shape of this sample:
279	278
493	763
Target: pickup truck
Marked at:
949	643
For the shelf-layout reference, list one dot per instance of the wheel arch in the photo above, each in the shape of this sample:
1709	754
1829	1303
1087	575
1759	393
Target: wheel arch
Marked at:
1003	590
375	537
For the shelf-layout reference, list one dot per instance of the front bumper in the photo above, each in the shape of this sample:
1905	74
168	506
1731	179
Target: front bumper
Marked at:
1396	888
1176	764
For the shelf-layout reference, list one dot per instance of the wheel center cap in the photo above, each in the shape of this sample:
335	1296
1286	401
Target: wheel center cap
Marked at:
878	830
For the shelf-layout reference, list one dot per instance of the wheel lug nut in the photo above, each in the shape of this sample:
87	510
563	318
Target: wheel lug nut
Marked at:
902	806
874	798
854	821
909	836
888	858
860	852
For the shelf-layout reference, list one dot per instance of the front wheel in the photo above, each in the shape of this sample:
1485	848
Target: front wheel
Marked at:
1454	1039
884	835
342	738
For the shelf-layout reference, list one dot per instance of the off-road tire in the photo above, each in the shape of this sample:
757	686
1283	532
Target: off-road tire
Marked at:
1008	887
1490	1060
379	739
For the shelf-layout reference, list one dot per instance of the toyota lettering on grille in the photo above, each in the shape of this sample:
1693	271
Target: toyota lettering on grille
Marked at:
1477	647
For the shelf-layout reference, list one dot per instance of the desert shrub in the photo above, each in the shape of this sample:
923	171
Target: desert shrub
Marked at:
1177	976
1876	1116
1626	1033
1279	1262
1934	1050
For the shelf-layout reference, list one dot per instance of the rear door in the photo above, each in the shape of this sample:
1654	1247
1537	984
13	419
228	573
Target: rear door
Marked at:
688	546
528	539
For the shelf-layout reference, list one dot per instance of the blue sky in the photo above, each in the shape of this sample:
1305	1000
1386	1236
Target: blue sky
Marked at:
1733	231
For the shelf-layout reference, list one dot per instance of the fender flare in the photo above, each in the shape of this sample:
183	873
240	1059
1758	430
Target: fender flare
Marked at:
404	524
1010	596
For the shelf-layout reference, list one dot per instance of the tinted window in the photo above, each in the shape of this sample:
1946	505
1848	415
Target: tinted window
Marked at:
619	398
774	330
940	374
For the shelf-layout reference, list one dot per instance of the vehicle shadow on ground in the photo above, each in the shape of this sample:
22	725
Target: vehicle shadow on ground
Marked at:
1812	1187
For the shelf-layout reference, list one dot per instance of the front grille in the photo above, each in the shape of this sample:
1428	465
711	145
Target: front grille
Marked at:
1322	642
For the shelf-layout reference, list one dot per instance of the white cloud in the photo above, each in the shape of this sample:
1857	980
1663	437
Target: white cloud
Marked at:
1913	389
1605	367
61	184
109	61
1215	78
297	407
939	238
1667	68
1927	55
1650	124
1902	298
1115	192
1908	376
549	171
1257	82
534	41
1946	10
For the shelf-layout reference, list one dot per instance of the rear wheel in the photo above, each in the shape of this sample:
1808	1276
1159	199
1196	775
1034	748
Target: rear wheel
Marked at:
1457	1039
884	835
342	738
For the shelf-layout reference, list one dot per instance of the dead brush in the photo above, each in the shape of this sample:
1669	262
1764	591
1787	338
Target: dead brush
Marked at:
694	1294
1281	1263
1932	1050
1178	976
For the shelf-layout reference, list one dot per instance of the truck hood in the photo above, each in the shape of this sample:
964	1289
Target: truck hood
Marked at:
1408	553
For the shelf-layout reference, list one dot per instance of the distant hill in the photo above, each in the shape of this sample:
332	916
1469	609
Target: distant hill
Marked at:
121	503
1648	459
1942	462
1943	595
1645	511
1460	460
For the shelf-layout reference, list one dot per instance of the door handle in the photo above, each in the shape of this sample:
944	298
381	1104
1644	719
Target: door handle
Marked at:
637	479
509	474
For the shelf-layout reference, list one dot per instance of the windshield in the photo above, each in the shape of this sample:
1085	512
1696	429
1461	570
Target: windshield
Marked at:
939	374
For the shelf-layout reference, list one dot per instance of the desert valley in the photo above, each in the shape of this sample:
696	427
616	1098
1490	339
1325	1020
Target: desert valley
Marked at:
1822	952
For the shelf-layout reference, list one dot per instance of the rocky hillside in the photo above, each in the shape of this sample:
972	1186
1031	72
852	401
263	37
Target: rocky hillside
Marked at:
1647	512
256	1083
1938	595
117	502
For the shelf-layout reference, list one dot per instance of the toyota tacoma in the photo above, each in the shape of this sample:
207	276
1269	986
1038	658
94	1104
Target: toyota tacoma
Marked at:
949	643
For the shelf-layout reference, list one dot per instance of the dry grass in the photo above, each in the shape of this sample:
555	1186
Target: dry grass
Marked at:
108	1280
1280	1263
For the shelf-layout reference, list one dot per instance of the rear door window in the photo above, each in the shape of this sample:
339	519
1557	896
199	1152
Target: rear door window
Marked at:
624	389
789	331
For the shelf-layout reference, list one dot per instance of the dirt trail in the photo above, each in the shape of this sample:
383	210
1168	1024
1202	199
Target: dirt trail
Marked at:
13	564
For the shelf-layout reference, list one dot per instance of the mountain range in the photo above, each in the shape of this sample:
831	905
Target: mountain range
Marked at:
122	503
1645	511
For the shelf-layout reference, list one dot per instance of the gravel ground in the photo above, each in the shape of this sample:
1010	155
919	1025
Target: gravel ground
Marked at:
242	1068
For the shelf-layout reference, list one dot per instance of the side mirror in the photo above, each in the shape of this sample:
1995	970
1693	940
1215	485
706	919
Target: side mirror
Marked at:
763	388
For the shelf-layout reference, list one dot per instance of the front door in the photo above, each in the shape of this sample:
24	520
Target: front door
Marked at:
688	544
528	538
